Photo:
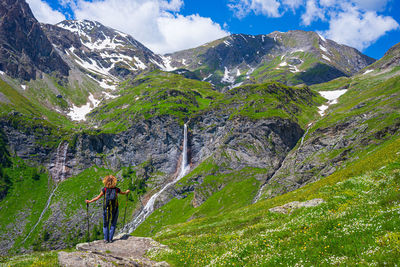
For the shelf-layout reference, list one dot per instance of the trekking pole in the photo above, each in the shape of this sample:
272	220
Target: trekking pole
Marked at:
126	205
87	216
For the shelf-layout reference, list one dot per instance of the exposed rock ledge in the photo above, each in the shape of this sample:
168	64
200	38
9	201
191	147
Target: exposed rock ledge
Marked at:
126	251
288	207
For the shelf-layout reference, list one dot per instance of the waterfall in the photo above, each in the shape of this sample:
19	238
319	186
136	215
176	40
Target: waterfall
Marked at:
149	208
59	170
58	174
305	134
184	164
259	193
43	212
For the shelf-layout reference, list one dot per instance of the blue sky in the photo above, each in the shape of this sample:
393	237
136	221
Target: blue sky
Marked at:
371	26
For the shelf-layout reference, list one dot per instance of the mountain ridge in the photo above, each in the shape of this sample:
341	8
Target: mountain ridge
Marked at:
299	52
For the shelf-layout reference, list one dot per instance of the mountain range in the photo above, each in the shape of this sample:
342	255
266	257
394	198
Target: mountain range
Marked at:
229	129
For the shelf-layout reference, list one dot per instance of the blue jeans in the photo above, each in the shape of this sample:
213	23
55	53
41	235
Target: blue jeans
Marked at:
110	216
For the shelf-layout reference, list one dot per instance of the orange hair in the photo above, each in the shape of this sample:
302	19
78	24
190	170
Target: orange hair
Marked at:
110	181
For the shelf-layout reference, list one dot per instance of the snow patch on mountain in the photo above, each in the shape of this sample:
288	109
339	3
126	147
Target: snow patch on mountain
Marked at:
103	83
332	97
79	113
235	85
325	57
139	63
167	63
323	48
207	77
367	71
294	69
227	43
322	37
107	95
107	43
93	66
227	78
79	26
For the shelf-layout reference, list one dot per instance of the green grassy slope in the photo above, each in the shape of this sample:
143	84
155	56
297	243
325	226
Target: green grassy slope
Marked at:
238	189
156	94
373	96
29	194
160	93
195	230
357	224
30	108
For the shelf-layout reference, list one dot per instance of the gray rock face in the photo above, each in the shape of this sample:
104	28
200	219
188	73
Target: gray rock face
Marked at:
261	143
158	139
24	48
127	251
289	207
324	151
25	141
307	163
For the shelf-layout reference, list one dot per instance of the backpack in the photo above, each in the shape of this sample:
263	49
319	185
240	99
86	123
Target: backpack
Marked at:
110	198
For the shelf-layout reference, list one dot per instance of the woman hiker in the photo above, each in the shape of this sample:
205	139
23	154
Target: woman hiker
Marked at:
110	206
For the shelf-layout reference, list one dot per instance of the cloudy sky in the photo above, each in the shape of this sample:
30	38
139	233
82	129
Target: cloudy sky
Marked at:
372	26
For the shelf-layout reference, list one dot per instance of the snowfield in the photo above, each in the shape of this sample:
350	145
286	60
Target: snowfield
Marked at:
332	97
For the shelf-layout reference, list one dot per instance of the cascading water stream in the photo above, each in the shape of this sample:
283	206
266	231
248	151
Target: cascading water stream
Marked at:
149	208
260	191
58	175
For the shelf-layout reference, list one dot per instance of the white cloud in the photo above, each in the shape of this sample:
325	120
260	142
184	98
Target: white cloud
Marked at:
266	7
313	12
372	5
328	3
242	8
155	23
356	23
359	29
293	4
182	32
44	13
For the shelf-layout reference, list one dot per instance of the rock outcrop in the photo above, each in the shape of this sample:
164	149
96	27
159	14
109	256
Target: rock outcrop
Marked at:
126	251
289	207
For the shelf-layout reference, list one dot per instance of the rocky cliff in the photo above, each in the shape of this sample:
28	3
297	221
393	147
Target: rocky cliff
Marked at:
366	118
25	50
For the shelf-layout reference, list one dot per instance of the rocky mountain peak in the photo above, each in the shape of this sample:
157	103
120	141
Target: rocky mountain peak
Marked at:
24	48
96	36
291	57
389	60
106	54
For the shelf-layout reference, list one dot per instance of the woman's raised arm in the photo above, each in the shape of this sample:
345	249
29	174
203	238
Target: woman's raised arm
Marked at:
96	198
